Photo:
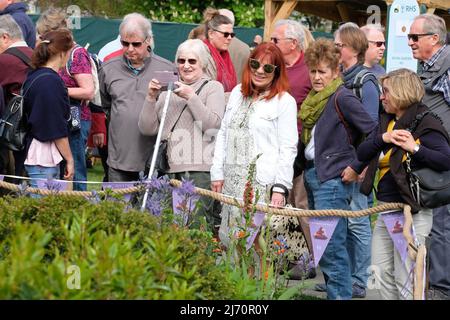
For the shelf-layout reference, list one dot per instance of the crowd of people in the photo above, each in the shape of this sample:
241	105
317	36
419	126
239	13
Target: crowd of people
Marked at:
318	119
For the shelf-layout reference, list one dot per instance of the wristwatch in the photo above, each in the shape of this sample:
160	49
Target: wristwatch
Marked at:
416	148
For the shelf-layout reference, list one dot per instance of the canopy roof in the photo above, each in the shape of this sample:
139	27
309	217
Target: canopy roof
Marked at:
341	11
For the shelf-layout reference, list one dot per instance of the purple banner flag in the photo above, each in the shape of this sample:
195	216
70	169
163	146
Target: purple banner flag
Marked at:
2	177
394	223
54	185
257	221
321	230
122	185
184	204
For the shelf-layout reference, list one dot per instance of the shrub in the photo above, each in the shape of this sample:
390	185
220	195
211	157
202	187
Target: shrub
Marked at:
120	255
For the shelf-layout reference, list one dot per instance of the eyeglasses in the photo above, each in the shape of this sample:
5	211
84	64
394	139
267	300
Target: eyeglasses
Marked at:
268	68
183	61
415	36
275	40
134	44
225	34
339	45
378	43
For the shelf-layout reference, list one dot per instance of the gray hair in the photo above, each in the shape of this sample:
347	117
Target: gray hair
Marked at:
433	24
227	13
345	26
196	47
135	23
10	27
294	30
372	26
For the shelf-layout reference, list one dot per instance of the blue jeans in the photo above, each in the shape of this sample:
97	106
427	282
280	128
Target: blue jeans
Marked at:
335	263
359	239
39	172
78	141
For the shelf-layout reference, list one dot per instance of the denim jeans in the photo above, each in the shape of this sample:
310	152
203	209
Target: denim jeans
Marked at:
39	172
359	237
78	141
335	263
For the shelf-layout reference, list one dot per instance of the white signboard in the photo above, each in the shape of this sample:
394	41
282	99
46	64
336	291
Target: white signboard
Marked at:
399	54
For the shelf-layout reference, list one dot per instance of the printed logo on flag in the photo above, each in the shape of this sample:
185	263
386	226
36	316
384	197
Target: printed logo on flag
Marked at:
321	230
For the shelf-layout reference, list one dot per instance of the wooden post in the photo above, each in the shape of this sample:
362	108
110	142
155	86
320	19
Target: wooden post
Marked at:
273	12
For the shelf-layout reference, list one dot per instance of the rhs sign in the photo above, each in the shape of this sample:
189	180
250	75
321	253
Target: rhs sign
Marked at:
399	54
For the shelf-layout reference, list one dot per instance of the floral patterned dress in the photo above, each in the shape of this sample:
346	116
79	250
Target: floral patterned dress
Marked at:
240	153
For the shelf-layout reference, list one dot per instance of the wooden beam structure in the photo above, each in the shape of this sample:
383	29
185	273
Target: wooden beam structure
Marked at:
340	11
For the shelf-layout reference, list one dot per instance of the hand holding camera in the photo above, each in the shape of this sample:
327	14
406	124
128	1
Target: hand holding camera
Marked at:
183	91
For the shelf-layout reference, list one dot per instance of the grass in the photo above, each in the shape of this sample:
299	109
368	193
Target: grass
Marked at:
95	174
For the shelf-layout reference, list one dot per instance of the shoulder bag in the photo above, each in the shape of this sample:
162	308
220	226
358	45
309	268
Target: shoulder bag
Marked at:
430	188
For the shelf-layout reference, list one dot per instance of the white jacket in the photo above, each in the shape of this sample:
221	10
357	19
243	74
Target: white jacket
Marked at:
273	125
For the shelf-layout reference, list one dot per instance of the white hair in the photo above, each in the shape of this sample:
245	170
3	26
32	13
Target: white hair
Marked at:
372	26
293	30
196	47
433	24
10	27
136	23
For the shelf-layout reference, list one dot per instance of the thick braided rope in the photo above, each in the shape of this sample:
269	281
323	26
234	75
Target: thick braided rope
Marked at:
45	192
291	212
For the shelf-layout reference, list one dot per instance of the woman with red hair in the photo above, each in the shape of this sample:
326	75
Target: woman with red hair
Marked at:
260	126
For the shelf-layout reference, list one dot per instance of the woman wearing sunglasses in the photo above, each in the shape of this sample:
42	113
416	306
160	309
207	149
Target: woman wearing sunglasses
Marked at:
195	111
332	117
219	32
259	126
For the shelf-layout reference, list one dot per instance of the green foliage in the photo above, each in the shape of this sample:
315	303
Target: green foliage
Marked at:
248	13
120	255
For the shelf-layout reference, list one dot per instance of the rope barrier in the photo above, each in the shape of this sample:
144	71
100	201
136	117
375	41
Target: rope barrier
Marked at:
286	211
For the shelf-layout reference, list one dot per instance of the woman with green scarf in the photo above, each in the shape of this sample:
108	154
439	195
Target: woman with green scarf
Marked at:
332	119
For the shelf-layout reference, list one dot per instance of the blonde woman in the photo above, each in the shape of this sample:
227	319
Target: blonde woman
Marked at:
386	148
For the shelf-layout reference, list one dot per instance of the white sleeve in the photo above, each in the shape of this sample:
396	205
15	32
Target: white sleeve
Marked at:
287	140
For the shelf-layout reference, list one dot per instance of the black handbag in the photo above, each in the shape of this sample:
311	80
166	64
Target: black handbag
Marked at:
430	189
162	160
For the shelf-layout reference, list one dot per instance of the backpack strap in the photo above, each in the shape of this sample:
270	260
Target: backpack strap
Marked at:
360	79
341	117
69	62
19	54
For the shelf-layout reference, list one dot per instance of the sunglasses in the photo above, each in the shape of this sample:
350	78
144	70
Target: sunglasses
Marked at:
183	61
340	45
378	43
275	40
225	34
415	36
268	68
134	44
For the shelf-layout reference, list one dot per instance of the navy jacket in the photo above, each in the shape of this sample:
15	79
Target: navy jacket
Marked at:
333	150
46	105
18	12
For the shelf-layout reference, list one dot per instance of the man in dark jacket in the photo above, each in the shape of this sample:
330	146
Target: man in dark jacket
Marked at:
15	58
18	11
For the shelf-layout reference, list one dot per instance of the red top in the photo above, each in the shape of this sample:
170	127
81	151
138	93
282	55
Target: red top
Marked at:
298	75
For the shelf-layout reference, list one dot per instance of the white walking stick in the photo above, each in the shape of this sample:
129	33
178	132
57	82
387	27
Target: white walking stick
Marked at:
158	140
